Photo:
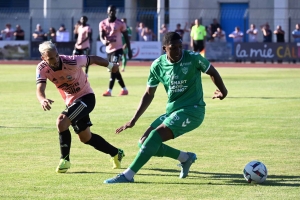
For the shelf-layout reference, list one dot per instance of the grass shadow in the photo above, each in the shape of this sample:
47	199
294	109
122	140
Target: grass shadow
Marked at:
231	179
263	97
86	172
21	127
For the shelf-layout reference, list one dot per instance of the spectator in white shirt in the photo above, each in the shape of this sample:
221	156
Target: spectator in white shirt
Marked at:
147	34
219	35
237	35
139	30
62	35
8	32
252	32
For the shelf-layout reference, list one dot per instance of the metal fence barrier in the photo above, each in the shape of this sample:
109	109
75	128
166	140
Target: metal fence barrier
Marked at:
29	18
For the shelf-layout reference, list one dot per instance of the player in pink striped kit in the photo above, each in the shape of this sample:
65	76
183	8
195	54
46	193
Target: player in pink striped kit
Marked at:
67	75
82	46
111	30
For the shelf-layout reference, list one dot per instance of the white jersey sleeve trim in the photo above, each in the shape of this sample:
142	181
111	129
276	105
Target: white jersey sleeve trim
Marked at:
152	85
207	68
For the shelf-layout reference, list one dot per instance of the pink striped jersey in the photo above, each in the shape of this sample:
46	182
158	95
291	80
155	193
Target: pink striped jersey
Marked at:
69	78
113	33
83	33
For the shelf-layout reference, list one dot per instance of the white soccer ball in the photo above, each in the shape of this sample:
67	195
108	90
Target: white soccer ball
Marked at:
255	172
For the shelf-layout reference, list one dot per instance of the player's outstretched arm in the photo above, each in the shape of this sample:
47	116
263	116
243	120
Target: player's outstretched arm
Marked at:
144	104
40	94
114	67
221	92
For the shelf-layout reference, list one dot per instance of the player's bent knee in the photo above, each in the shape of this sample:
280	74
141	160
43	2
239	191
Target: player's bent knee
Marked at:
85	136
63	122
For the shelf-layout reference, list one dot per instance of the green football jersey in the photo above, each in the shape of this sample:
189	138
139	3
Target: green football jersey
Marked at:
182	80
129	34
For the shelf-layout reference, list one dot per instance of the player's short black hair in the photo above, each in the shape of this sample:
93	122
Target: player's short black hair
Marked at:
170	36
113	7
85	18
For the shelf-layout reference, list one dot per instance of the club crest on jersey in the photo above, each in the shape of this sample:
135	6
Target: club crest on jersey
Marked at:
185	70
69	77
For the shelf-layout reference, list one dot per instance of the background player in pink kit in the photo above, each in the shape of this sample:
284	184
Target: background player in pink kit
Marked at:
82	46
67	75
111	30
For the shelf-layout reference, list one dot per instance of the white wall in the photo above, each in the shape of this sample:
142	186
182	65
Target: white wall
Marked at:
280	15
178	12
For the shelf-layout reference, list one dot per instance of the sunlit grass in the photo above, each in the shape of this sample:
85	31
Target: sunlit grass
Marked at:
258	120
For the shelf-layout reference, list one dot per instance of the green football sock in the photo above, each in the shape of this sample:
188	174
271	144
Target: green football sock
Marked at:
148	149
124	61
166	151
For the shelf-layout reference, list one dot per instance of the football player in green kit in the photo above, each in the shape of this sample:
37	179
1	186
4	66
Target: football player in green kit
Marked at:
180	73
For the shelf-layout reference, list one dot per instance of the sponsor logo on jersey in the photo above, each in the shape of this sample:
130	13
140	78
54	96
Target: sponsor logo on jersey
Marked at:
174	77
186	122
162	118
202	64
70	88
184	64
175	116
69	62
42	65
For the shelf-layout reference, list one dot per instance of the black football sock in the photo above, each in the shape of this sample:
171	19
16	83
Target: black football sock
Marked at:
112	80
65	144
102	145
120	79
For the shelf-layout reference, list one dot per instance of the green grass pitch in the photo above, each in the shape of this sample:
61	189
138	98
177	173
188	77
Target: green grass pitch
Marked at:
259	120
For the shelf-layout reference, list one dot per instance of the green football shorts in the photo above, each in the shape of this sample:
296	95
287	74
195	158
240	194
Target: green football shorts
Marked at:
182	121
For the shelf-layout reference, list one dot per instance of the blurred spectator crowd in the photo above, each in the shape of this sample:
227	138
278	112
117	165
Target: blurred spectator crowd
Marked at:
59	35
211	33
